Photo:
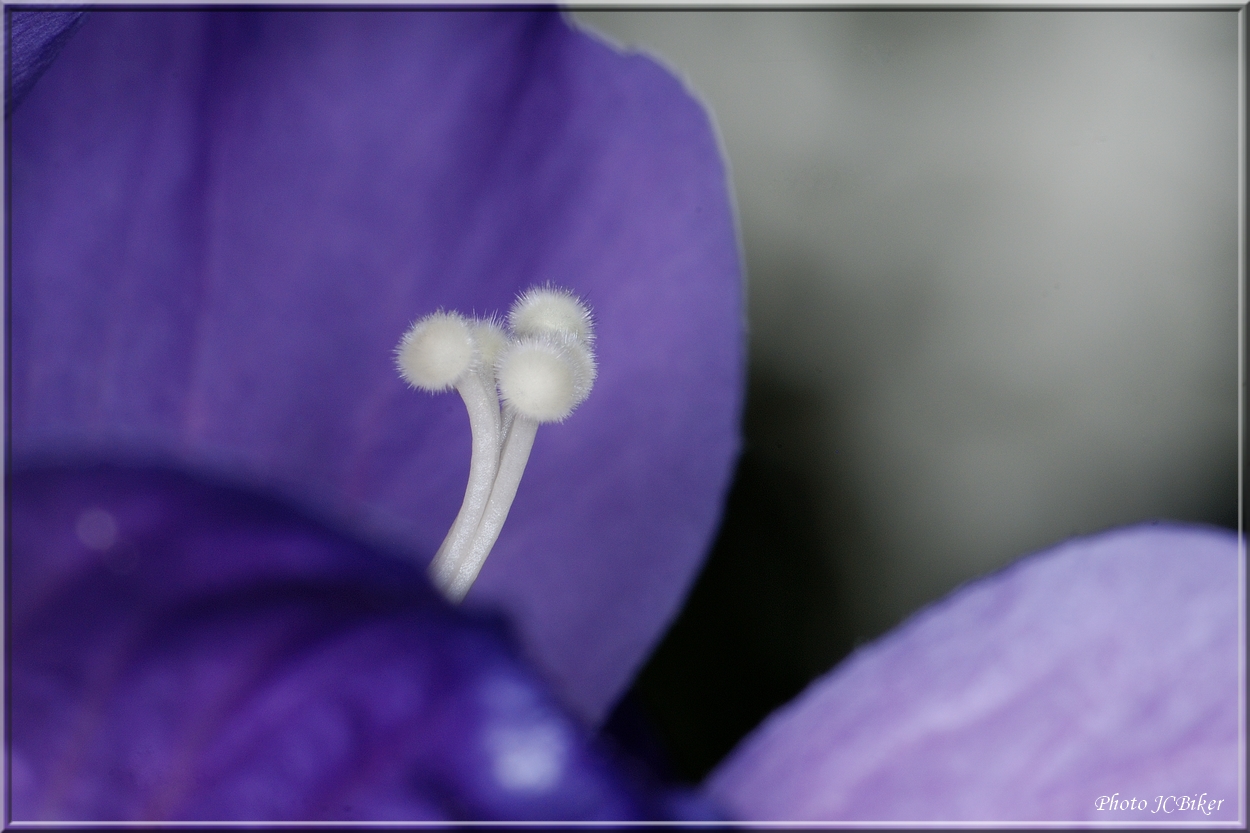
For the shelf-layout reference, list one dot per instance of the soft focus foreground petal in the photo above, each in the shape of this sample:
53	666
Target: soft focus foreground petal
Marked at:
186	651
1106	667
35	38
223	222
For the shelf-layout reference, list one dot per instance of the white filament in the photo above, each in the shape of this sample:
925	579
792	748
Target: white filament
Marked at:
516	453
484	422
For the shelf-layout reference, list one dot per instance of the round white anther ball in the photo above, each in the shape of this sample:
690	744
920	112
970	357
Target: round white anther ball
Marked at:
545	380
436	351
491	341
550	311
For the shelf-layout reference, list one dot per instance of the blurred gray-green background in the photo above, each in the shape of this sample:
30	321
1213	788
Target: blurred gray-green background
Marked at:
993	298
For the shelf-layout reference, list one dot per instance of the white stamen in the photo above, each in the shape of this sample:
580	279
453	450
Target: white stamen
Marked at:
444	350
543	374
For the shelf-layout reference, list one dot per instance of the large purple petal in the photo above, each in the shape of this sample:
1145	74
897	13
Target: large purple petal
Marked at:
1104	670
186	651
223	222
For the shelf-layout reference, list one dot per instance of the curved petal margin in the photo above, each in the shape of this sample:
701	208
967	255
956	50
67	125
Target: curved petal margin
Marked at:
1097	681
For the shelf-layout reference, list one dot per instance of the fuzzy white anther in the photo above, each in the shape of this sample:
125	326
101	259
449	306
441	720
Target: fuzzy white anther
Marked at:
544	379
437	352
547	310
491	342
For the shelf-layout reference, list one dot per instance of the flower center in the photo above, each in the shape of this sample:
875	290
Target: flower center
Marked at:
544	368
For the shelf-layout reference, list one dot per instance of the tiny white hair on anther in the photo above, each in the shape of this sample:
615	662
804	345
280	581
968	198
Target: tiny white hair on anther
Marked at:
544	379
547	310
491	341
437	351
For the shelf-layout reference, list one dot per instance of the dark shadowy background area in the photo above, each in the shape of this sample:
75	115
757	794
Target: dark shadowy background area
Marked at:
761	621
993	297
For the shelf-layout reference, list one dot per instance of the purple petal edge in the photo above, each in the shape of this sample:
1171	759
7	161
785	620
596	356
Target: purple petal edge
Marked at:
1097	681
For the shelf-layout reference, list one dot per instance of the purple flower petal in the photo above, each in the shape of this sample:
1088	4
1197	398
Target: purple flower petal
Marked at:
223	222
185	651
1103	670
35	38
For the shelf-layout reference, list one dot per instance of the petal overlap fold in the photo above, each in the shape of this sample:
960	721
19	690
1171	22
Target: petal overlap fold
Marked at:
183	650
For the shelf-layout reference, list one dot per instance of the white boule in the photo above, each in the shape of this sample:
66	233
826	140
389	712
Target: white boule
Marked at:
585	369
491	340
437	351
544	379
547	310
